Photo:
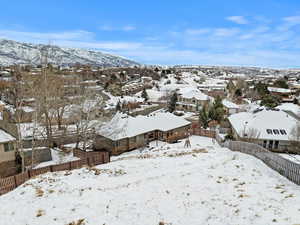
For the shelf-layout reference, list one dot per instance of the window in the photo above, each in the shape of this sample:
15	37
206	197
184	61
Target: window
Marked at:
269	131
265	144
117	143
283	132
275	131
8	147
276	144
270	144
151	135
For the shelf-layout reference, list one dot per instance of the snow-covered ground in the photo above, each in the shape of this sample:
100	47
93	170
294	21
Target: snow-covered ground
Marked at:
291	157
154	95
162	184
113	100
58	157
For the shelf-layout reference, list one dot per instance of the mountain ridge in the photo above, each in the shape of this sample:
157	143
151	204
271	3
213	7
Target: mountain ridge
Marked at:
14	52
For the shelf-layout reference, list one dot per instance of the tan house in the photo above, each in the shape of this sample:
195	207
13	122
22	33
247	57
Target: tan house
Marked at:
191	99
230	107
124	133
7	153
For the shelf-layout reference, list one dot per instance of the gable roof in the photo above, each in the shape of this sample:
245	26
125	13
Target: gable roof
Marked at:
190	93
279	90
5	137
290	107
262	122
230	105
124	126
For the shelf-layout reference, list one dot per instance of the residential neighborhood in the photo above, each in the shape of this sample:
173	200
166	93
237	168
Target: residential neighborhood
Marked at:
150	113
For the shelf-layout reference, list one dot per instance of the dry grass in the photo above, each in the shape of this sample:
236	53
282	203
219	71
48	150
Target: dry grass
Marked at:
165	154
78	222
97	171
40	213
39	192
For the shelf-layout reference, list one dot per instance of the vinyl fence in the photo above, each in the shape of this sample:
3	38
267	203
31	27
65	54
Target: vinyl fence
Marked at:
285	167
86	158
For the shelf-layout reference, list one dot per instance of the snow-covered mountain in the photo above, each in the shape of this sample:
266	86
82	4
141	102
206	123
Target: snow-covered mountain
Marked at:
13	52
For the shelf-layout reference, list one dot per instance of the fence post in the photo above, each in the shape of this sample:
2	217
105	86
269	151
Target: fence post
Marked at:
15	181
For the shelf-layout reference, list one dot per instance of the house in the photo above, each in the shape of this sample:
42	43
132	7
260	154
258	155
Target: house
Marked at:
290	108
284	93
230	107
7	153
124	133
191	99
272	129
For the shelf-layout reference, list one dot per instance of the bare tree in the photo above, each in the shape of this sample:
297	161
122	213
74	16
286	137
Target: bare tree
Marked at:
85	110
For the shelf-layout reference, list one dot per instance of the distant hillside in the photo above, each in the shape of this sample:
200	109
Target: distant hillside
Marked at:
13	52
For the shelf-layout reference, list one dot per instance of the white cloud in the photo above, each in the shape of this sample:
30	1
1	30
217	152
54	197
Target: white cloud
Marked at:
80	39
238	19
226	32
128	28
47	36
197	31
289	22
292	20
270	58
117	28
256	46
102	45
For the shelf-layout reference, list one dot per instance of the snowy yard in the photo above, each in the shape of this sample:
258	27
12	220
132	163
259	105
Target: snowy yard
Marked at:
292	157
58	157
162	184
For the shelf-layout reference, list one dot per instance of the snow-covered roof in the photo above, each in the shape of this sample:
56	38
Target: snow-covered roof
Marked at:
27	109
229	104
290	107
190	93
124	126
279	90
264	124
5	137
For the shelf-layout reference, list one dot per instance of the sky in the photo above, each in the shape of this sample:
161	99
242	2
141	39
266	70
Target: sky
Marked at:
204	32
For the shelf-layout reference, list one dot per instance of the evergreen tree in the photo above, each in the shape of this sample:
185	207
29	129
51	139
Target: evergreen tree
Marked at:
172	103
261	88
281	83
216	111
203	118
145	95
270	101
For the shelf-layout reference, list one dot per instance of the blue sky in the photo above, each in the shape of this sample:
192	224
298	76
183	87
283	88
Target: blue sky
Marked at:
208	32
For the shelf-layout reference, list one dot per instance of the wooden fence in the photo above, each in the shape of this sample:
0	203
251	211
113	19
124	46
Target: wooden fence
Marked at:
86	158
203	132
285	167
